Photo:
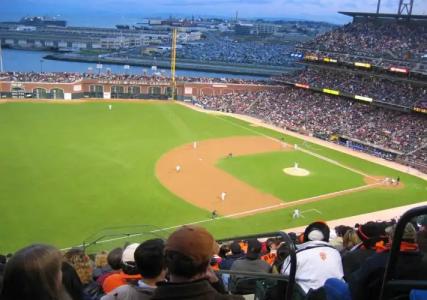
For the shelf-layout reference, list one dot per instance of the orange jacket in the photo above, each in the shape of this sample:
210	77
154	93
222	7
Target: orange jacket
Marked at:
118	279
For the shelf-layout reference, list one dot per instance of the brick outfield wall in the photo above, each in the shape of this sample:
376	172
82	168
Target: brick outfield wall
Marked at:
187	89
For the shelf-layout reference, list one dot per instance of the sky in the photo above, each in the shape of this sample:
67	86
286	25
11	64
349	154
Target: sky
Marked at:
84	12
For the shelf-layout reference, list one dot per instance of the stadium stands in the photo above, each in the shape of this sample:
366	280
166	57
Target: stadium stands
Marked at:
393	40
327	116
388	90
387	261
65	77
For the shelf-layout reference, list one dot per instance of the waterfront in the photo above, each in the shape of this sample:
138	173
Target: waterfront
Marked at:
33	61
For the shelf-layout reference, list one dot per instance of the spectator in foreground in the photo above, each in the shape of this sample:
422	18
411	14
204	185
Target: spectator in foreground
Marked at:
271	250
422	235
250	263
101	265
84	268
236	253
114	259
128	273
72	284
365	283
350	240
32	273
188	252
338	241
282	253
371	235
317	260
150	263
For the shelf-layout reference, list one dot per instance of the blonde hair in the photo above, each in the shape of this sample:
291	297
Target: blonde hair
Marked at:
101	259
81	263
350	239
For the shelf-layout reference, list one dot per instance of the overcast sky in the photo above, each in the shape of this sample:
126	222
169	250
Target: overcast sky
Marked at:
122	10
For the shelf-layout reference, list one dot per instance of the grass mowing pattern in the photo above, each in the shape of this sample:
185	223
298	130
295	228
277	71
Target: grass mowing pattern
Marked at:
67	171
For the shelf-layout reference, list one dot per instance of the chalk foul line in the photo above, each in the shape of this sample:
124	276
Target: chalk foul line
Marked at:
243	213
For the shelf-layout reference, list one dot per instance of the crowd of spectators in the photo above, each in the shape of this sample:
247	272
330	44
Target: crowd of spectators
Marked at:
229	50
322	115
350	59
395	40
64	77
378	88
346	263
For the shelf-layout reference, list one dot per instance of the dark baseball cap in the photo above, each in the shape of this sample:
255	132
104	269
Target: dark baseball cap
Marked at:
194	242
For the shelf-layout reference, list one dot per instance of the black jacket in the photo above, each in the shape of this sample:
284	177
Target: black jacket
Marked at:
196	290
351	261
365	283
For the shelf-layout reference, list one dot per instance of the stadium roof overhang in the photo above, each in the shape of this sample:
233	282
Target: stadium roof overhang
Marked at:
384	16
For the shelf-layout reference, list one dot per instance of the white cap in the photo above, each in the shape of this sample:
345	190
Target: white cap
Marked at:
128	253
315	235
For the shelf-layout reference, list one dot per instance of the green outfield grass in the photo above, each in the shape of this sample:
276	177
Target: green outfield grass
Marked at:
67	171
265	171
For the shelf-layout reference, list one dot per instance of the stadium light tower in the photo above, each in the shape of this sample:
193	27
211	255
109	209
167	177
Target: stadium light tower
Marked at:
405	7
173	63
378	6
1	59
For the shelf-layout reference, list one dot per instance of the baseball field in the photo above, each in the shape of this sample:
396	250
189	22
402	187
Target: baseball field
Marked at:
70	170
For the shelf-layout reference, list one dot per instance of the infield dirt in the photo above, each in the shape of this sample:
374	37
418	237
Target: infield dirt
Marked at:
201	183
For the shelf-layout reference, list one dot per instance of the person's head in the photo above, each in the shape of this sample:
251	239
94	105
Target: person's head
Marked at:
114	259
128	259
370	233
341	230
101	259
149	258
3	259
254	249
33	272
350	239
317	231
271	244
81	263
188	252
283	251
409	233
293	236
235	248
223	250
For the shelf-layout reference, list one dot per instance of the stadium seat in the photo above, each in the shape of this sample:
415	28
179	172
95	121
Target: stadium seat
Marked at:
418	295
394	287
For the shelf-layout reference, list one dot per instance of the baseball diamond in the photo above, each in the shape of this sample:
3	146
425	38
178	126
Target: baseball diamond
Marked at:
57	162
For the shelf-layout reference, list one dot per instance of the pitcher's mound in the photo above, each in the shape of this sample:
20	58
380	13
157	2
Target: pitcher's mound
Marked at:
296	171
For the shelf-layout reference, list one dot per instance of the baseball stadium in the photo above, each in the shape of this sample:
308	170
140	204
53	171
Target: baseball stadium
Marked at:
92	163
